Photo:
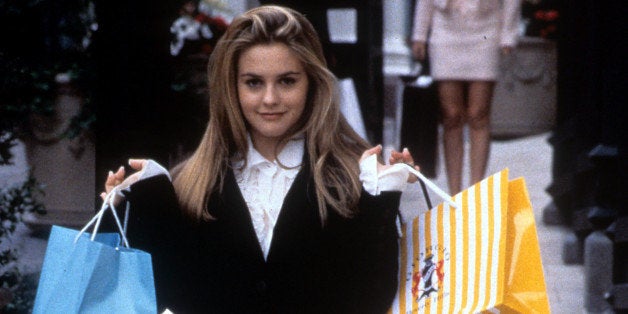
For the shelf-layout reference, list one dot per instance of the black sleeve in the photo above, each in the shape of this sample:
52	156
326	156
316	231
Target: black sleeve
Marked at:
367	252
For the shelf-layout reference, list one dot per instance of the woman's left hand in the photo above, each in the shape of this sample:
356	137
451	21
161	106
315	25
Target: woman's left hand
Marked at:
395	157
404	157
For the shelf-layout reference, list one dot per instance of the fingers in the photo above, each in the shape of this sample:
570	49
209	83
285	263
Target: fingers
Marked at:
404	157
371	151
418	50
138	164
113	179
119	175
116	178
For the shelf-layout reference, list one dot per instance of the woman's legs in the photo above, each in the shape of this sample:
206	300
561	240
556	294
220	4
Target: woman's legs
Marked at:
478	112
451	94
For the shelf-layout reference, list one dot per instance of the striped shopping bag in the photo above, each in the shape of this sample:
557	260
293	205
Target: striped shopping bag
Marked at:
480	257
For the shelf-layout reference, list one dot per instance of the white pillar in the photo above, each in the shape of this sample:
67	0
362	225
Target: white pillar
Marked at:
397	21
397	62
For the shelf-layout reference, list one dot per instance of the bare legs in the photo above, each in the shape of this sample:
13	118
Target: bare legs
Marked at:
465	102
451	94
478	113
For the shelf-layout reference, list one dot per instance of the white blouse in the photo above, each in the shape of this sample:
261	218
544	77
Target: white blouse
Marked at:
264	184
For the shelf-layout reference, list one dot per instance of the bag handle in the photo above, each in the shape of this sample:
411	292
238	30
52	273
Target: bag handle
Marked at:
425	195
108	204
427	183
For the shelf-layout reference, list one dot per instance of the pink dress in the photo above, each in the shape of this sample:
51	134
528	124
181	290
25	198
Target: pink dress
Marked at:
465	36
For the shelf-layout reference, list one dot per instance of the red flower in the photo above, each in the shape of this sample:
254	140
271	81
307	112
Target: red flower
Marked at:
543	33
551	15
202	18
220	23
547	15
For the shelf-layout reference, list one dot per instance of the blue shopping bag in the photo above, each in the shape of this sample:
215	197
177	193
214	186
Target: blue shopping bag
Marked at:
94	273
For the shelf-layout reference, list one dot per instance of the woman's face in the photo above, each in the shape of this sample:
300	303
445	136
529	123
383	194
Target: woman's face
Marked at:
272	89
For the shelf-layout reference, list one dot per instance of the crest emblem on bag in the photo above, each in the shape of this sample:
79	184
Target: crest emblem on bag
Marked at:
428	279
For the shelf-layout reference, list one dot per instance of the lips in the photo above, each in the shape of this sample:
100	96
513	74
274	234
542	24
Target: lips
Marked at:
271	115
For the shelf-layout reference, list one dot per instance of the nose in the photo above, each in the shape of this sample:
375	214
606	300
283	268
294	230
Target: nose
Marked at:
270	95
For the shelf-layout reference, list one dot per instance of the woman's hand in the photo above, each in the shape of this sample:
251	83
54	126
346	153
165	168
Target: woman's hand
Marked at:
395	157
117	179
506	50
404	157
374	151
418	50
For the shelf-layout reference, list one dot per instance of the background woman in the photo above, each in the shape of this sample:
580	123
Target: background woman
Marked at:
465	39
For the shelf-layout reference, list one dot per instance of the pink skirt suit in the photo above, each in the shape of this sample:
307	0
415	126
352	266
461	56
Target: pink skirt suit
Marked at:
465	36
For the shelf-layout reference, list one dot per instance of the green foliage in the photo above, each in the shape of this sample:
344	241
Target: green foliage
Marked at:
7	141
15	202
42	38
24	91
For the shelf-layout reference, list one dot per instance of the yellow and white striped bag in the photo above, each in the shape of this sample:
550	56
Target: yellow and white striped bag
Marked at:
481	257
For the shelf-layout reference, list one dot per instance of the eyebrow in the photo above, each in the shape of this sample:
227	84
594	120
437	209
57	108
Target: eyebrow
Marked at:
288	73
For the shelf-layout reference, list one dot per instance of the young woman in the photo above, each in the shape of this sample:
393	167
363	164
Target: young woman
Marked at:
465	40
282	208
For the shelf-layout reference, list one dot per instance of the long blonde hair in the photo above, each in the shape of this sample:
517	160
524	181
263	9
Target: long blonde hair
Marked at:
333	147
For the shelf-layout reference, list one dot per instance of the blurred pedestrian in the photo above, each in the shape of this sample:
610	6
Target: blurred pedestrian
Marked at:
463	40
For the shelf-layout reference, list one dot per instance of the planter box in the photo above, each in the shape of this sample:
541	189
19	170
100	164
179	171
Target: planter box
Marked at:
66	167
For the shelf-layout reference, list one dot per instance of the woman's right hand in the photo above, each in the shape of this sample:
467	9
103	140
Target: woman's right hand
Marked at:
403	156
117	179
418	50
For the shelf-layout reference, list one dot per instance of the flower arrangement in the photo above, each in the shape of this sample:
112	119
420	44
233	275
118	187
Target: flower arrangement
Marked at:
199	25
541	18
544	23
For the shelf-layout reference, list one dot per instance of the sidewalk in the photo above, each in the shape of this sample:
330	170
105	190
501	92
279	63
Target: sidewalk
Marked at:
531	158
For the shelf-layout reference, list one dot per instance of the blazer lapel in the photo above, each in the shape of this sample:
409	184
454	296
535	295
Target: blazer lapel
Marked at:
237	215
298	220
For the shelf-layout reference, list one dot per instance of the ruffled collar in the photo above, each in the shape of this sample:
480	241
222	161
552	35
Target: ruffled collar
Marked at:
291	157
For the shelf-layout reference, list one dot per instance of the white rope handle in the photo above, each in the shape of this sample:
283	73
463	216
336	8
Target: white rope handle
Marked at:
433	187
107	204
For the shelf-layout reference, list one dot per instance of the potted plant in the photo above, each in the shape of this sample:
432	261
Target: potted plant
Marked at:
46	47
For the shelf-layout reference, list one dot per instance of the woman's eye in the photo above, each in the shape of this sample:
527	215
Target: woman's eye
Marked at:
288	81
253	83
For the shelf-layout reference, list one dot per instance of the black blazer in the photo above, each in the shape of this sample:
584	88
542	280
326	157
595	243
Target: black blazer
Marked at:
217	266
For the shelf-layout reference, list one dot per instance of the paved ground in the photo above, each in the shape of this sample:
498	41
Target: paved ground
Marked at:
529	157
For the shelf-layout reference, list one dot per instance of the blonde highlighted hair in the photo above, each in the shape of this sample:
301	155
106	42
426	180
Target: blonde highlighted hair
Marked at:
333	147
